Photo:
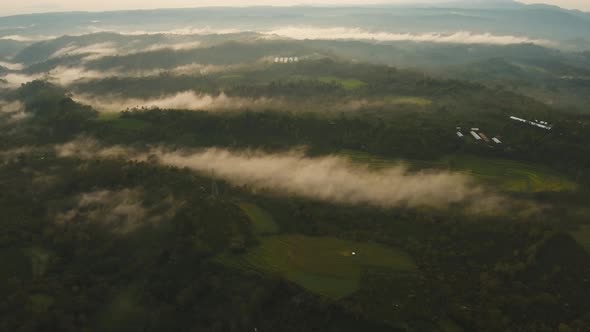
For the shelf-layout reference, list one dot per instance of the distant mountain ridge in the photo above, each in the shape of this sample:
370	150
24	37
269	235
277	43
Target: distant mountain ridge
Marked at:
499	17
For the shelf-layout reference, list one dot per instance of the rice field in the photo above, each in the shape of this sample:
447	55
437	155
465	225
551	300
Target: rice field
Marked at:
324	265
262	221
504	175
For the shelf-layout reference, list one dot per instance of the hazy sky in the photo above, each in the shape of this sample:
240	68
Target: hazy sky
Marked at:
9	7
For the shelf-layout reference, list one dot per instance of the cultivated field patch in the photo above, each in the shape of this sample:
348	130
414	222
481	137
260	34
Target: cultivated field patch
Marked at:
324	265
262	221
346	83
505	175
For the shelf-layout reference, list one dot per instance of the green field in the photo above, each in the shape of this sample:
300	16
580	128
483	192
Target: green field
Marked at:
510	175
108	116
414	101
262	221
582	235
505	175
346	83
324	265
115	120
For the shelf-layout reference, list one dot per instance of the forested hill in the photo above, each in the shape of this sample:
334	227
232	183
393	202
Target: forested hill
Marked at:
296	169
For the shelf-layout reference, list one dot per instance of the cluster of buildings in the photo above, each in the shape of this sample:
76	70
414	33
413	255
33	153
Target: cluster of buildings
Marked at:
286	59
536	123
478	135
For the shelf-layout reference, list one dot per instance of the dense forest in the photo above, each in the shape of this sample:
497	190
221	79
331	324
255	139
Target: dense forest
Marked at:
246	181
155	263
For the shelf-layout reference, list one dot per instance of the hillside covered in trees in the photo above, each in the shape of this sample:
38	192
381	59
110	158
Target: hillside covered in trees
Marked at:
245	181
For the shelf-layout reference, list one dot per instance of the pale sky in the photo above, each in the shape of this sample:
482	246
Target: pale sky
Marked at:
10	7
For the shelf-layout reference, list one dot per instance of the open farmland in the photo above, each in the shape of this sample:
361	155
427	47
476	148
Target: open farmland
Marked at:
512	176
505	175
346	83
323	265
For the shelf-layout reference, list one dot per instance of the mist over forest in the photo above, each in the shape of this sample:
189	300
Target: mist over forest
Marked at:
308	168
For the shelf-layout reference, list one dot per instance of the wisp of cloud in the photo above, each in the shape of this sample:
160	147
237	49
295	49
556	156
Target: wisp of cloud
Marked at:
330	178
187	100
461	37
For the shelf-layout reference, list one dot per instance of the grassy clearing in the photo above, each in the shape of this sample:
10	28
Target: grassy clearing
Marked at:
346	83
413	101
324	265
108	116
262	221
114	119
582	235
505	175
231	77
129	124
510	175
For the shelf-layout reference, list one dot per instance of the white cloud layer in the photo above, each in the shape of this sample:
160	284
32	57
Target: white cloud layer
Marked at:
344	33
12	111
187	100
11	66
22	38
329	178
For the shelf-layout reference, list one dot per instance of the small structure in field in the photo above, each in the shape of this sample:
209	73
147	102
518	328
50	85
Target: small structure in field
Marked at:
484	137
459	134
497	141
475	135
